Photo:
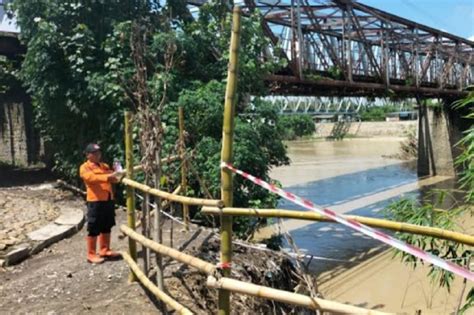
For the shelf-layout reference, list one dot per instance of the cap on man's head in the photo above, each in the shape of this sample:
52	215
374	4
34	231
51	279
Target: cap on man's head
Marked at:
91	148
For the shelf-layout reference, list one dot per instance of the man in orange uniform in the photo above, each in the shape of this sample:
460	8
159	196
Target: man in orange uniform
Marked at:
98	178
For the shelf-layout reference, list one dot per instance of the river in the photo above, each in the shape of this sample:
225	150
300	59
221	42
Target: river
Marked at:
353	176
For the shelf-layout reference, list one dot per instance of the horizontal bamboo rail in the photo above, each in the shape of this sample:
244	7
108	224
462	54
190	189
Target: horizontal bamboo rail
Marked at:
195	262
169	159
241	286
153	288
285	296
170	196
379	223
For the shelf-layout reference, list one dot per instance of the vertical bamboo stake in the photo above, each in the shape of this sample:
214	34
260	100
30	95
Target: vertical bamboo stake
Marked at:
130	191
148	231
184	169
226	156
145	229
171	225
158	237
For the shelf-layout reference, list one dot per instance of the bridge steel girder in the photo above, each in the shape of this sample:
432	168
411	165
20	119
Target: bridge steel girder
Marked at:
333	105
358	49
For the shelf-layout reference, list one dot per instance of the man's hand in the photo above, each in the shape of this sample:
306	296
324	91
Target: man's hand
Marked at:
115	177
112	179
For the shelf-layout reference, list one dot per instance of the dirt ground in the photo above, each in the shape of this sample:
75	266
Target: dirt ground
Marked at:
58	280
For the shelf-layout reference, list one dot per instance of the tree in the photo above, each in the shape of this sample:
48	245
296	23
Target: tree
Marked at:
80	72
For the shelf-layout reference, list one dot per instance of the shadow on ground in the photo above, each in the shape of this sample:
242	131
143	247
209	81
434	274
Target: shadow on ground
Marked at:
16	176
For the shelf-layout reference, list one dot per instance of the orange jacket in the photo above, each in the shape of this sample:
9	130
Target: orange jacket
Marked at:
95	177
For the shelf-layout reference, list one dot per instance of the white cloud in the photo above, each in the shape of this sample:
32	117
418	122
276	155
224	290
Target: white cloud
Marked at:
471	38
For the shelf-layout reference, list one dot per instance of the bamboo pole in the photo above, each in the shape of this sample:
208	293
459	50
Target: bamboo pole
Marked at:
138	168
158	237
226	156
145	222
195	262
164	204
170	196
184	170
286	297
132	246
162	296
379	223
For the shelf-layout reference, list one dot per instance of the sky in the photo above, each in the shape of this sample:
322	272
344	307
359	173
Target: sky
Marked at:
453	16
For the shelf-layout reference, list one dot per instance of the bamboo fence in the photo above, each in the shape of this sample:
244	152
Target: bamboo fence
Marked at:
263	292
153	288
195	262
184	166
130	192
226	154
242	287
224	284
164	204
170	196
379	223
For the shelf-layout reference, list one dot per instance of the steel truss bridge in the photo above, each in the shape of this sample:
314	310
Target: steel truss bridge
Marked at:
343	47
346	48
323	105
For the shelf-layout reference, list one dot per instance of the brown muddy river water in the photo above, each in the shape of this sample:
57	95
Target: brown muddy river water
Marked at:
319	159
353	176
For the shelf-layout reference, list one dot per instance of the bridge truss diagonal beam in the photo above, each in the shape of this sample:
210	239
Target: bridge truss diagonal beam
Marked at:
348	41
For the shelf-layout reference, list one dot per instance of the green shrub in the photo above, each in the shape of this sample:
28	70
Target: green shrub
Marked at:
377	113
466	158
295	126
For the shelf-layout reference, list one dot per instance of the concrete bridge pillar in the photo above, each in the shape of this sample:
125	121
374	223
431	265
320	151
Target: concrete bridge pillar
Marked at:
439	129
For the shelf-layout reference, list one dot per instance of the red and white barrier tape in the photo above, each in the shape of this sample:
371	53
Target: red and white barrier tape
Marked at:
387	239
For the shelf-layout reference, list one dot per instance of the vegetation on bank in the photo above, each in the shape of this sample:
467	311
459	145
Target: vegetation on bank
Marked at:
8	70
377	113
427	213
466	158
296	126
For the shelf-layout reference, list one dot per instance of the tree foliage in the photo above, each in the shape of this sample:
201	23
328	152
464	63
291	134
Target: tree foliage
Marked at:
79	71
466	158
413	212
377	113
466	161
8	75
295	126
